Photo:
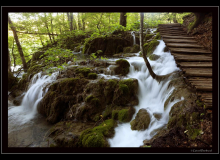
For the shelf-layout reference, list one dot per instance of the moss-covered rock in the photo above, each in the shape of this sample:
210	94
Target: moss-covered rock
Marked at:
59	97
150	47
92	75
123	115
126	92
109	45
123	67
96	137
158	36
148	36
154	57
83	71
141	121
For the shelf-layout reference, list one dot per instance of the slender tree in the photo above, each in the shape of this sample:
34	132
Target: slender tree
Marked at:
123	19
158	78
18	43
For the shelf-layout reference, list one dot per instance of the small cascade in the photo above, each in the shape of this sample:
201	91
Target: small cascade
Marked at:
133	34
152	96
19	115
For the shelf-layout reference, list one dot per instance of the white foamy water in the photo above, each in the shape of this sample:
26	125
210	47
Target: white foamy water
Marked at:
23	114
152	97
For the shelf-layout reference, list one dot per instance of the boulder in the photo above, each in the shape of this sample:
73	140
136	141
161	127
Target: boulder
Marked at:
123	67
141	121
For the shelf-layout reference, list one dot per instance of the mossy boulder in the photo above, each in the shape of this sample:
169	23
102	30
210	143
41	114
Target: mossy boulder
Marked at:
59	97
83	71
96	137
141	121
123	115
126	92
150	47
154	57
92	75
123	67
109	45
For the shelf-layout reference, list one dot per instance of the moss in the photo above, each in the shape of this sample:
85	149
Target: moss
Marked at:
199	103
126	49
158	36
123	115
148	36
92	100
95	137
84	71
123	88
92	75
135	48
150	47
123	67
67	86
34	69
154	57
115	114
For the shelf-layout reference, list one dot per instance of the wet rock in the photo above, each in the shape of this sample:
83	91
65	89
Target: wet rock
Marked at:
123	67
154	57
157	115
141	121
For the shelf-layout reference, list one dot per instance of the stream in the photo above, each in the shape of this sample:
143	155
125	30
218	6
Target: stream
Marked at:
27	128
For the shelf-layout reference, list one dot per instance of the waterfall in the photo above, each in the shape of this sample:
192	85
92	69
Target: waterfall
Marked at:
152	97
133	34
19	115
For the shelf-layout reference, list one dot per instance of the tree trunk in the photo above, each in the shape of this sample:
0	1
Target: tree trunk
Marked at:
18	44
174	18
79	22
199	16
83	21
12	52
123	19
153	75
51	26
71	21
158	78
9	62
45	22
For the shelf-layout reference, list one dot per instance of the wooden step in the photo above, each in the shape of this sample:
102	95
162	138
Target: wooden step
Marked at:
191	58
184	45
200	72
172	34
178	40
203	87
194	64
201	79
190	50
178	37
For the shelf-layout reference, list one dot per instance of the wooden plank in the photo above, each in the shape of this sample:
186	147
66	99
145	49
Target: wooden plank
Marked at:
179	40
194	64
203	88
185	45
203	72
191	58
190	50
178	37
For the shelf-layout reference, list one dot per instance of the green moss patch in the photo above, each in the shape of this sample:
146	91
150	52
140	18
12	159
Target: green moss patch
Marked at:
92	75
96	137
123	67
150	47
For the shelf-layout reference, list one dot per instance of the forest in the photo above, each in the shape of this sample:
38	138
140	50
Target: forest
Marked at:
37	30
110	79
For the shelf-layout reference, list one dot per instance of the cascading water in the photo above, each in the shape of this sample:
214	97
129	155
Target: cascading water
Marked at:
133	34
23	114
152	96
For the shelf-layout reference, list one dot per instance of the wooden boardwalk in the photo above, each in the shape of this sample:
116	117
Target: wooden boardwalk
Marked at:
194	60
